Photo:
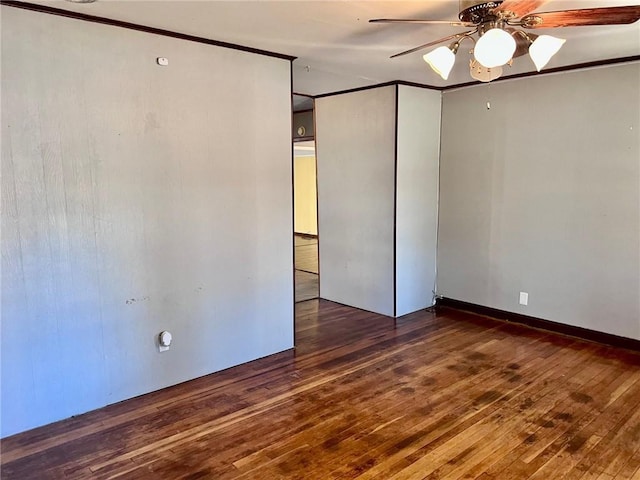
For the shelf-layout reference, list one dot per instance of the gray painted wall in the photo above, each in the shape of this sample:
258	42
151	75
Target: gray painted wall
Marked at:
304	120
417	197
355	151
541	193
375	204
129	207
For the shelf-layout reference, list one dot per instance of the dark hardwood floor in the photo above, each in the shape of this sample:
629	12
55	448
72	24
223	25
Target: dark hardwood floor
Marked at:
435	395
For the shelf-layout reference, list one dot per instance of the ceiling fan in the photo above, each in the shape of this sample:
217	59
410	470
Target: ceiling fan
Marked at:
500	27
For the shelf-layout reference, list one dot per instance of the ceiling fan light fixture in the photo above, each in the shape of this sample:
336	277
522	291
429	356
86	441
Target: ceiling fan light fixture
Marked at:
441	60
543	48
494	48
483	74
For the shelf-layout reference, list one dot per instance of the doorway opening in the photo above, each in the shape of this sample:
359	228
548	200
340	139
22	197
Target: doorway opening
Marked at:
305	201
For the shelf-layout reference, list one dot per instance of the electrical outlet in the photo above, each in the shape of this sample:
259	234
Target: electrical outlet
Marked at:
524	298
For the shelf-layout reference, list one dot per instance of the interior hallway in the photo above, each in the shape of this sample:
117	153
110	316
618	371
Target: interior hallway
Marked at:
306	265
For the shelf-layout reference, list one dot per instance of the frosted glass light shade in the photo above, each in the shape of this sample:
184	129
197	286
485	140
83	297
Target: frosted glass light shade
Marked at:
494	48
484	74
543	48
441	60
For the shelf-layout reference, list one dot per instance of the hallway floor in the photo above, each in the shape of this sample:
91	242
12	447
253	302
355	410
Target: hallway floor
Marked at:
306	265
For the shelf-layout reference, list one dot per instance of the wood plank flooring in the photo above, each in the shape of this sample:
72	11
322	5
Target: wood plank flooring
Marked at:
433	395
306	254
307	285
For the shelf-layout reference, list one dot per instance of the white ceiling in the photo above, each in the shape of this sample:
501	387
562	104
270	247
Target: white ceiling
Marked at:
302	102
338	49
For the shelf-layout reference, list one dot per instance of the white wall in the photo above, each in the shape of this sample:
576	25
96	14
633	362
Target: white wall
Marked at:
416	197
126	211
541	194
355	151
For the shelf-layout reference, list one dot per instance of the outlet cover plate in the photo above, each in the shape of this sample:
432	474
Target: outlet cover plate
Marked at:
524	298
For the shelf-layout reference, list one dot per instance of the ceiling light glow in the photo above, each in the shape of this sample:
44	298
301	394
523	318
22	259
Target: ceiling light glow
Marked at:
441	60
494	48
543	48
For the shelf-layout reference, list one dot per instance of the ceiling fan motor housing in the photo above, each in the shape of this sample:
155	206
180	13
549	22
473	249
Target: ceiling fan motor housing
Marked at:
475	11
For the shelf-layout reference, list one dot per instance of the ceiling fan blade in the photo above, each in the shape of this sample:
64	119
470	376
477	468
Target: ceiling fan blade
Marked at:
583	17
519	7
418	21
435	42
